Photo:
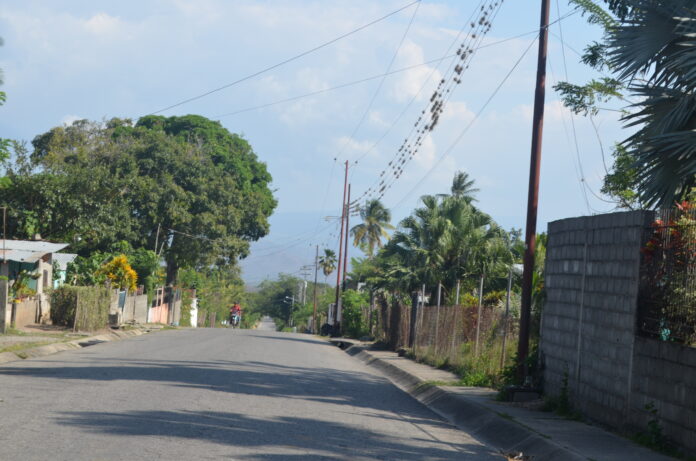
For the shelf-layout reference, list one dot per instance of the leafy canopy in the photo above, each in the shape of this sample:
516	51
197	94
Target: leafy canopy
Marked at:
183	183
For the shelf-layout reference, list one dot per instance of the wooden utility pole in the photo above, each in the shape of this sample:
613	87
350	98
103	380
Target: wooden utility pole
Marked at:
533	196
316	268
345	251
340	249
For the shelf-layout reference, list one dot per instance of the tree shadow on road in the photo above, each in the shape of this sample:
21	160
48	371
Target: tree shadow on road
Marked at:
305	438
255	378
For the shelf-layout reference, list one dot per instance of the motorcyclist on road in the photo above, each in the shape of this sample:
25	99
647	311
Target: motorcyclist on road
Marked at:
235	314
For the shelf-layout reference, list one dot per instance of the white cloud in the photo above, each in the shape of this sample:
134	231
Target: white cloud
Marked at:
425	158
70	119
103	24
410	82
457	111
353	148
376	119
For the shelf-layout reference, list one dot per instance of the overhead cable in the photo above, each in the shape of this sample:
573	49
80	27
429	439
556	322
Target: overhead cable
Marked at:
282	63
469	125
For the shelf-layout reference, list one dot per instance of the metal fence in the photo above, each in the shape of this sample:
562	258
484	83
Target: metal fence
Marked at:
667	294
450	334
457	335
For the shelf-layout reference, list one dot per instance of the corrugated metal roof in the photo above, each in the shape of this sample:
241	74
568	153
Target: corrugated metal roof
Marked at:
33	245
63	259
23	256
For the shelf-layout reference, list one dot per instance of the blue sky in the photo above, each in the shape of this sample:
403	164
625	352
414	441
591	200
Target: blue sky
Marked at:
65	60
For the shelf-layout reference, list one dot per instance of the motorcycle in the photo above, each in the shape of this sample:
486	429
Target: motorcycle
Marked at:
236	318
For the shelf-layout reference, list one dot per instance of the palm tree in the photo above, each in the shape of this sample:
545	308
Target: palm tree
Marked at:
652	51
463	187
327	262
370	233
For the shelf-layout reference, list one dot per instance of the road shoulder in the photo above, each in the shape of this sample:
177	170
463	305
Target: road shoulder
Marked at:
61	345
507	427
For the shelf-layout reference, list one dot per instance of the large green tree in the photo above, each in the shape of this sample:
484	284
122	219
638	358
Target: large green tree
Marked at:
183	183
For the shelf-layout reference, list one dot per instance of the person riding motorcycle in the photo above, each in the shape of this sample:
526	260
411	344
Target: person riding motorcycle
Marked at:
235	314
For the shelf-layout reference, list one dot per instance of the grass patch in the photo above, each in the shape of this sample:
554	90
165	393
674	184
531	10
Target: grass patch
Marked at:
16	332
30	345
482	370
22	346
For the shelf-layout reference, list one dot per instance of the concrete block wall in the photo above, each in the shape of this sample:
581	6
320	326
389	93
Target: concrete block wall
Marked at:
665	377
141	307
25	312
589	330
589	320
135	309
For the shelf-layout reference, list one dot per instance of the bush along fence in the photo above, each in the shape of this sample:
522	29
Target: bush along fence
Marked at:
82	308
95	307
475	342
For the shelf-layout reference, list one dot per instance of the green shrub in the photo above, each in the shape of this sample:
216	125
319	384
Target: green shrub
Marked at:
63	304
354	323
83	308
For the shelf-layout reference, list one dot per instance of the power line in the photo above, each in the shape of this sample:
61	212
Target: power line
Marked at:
372	100
475	48
466	129
567	133
199	237
379	87
429	117
417	94
362	80
572	118
291	244
286	61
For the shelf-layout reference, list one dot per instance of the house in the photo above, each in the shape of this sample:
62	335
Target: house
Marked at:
27	265
60	267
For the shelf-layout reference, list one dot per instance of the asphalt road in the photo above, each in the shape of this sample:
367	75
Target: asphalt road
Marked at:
215	394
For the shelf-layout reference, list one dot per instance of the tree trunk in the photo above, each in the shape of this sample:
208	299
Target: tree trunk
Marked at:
172	270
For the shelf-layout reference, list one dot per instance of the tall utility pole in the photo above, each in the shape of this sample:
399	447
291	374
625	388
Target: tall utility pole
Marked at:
305	271
345	251
533	197
340	247
316	269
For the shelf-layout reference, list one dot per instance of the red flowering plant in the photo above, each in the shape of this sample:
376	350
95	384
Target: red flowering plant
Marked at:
668	275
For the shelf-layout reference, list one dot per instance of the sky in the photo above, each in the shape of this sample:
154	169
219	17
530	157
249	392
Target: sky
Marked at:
69	60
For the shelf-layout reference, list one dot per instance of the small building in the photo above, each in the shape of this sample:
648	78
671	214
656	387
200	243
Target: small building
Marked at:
29	262
60	267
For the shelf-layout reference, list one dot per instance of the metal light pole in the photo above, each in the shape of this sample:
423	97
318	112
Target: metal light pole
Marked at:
533	195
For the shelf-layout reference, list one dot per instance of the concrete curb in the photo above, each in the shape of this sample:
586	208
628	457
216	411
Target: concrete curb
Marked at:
494	429
50	349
